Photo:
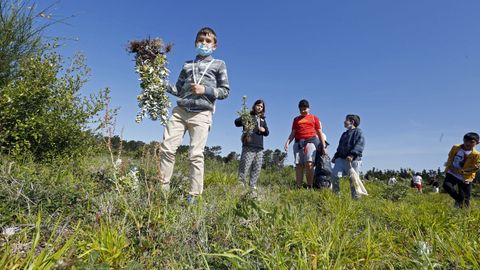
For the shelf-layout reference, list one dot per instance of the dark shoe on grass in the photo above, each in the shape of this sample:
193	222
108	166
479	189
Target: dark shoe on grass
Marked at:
457	205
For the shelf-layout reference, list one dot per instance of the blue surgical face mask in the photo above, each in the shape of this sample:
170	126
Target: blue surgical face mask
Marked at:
204	49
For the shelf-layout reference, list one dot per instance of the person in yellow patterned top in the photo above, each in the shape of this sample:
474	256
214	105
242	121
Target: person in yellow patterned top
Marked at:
462	165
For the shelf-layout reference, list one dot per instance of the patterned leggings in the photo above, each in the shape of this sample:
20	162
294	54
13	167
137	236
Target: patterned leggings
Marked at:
251	157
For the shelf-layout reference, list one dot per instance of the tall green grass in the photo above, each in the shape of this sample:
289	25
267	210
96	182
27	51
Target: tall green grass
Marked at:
115	226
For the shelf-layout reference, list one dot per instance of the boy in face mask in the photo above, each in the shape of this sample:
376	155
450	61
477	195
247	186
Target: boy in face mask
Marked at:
201	82
349	152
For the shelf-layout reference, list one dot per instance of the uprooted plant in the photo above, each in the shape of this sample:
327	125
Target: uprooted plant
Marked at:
151	66
247	121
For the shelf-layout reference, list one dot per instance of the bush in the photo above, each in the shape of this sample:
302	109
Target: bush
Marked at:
41	112
395	192
21	27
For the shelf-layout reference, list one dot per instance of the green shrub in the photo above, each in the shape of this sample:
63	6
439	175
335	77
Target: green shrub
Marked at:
41	111
395	192
21	27
106	245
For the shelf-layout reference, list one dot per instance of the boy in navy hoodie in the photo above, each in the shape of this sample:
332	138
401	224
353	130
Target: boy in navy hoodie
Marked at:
349	152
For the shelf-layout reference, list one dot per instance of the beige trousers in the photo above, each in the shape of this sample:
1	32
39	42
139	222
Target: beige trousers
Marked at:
198	125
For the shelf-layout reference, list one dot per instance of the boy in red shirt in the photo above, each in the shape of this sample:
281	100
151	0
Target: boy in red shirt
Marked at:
307	132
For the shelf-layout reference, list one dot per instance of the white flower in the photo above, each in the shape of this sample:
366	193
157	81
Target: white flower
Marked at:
133	175
424	248
9	231
118	162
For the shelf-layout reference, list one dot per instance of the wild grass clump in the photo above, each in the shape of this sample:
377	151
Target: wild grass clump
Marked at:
53	188
395	192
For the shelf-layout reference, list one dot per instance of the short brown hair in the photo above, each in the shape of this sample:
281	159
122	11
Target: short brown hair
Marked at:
355	118
303	104
207	31
471	136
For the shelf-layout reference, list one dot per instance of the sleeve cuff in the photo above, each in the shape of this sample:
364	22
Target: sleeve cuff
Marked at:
209	93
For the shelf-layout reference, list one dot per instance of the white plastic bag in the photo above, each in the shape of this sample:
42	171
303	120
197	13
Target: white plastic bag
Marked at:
357	183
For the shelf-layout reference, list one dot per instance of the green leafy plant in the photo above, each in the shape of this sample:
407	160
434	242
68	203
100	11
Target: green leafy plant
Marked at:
21	25
151	66
248	121
41	111
108	245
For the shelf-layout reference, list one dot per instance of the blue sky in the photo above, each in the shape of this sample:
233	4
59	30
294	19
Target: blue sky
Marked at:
410	69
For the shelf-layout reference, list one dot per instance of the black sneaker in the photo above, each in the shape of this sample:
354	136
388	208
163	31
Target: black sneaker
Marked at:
457	205
306	186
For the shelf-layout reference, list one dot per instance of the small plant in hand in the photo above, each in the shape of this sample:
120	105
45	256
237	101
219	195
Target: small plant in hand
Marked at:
151	66
247	121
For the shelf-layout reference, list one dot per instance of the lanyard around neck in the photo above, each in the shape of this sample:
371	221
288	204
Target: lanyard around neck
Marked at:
205	71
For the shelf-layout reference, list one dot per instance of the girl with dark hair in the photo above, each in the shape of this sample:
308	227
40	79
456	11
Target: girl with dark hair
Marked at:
252	145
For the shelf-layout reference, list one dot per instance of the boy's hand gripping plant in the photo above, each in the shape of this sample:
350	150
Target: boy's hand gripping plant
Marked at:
151	65
247	121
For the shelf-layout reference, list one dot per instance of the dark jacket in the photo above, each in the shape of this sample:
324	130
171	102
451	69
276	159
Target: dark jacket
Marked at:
351	143
257	136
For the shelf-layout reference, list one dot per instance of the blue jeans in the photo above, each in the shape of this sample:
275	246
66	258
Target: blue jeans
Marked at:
340	169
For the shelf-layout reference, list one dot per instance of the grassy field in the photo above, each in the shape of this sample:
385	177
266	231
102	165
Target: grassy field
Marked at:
94	215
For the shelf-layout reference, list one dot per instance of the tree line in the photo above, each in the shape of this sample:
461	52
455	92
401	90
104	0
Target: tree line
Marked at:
273	159
407	174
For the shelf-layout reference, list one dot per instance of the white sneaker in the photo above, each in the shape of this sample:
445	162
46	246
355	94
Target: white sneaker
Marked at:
253	191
